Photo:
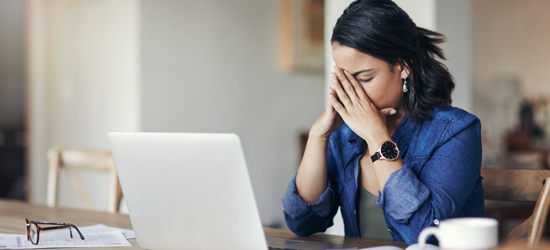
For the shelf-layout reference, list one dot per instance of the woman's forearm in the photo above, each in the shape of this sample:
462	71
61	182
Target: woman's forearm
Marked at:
311	179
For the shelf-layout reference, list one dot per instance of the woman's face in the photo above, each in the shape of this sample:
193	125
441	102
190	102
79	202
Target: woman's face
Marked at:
383	87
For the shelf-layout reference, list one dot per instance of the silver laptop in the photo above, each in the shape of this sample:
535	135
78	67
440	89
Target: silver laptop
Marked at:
187	191
192	191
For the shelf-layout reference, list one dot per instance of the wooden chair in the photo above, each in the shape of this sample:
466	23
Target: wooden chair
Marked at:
70	158
520	185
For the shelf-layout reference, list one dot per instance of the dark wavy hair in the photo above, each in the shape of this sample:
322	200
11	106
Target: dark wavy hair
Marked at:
383	30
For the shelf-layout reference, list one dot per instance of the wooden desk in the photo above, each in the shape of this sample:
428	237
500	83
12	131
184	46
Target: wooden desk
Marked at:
13	214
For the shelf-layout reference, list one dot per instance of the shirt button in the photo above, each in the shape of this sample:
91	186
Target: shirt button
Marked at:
283	208
436	222
389	230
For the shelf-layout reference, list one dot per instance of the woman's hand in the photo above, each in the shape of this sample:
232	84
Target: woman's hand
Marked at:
311	178
352	103
328	122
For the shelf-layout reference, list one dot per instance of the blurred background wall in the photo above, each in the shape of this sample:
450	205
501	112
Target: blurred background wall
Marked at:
511	57
12	63
83	68
167	66
73	70
12	98
211	66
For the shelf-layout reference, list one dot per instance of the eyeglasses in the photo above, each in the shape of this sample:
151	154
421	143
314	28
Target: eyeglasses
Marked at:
33	229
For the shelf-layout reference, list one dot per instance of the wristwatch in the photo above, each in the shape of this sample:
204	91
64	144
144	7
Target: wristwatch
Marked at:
388	151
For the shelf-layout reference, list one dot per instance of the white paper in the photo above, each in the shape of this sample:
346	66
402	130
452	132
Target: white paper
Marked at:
99	228
55	240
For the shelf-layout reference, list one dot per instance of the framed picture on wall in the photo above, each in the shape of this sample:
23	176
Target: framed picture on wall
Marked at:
302	36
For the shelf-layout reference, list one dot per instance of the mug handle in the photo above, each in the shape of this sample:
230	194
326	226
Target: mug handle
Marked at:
427	232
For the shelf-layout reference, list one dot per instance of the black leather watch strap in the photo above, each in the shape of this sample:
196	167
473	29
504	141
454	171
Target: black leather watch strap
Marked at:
375	156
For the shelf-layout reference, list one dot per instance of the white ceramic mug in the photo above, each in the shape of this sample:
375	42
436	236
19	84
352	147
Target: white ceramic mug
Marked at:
463	234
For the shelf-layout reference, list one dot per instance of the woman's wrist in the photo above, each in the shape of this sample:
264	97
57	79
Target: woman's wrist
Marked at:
375	142
314	133
319	137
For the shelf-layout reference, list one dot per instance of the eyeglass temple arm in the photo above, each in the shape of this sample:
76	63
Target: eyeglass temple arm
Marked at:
64	226
76	228
50	223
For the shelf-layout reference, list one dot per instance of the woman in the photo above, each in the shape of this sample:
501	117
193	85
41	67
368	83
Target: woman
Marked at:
389	150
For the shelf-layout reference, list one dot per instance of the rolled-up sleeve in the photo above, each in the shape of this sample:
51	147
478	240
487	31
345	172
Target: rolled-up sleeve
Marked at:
400	202
441	187
296	207
304	218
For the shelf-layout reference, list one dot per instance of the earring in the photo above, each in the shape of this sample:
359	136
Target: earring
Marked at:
405	89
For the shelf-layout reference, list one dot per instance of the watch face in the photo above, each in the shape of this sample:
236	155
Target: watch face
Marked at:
389	150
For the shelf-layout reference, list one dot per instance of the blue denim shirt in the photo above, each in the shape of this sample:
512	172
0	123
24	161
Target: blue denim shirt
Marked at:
440	178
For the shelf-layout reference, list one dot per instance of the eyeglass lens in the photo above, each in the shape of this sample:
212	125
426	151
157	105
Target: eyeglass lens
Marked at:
33	233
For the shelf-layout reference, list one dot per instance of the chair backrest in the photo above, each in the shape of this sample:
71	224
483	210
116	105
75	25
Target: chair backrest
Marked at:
71	158
520	185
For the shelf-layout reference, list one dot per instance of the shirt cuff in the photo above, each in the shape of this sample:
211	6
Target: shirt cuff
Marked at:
295	207
402	195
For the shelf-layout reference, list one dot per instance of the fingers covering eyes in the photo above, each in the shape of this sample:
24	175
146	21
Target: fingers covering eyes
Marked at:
348	88
359	91
342	95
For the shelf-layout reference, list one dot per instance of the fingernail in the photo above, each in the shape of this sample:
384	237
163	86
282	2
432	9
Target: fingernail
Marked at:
347	73
393	111
339	73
